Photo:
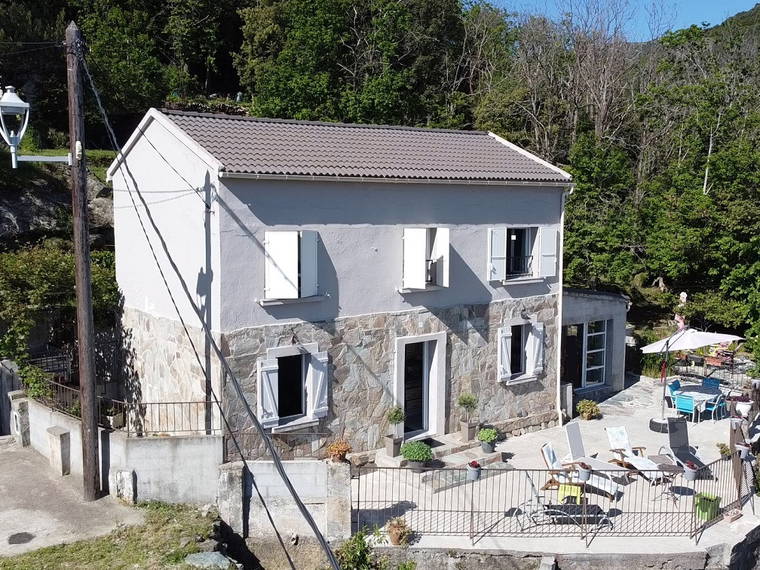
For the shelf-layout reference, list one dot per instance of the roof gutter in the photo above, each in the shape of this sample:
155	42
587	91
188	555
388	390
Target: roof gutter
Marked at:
380	180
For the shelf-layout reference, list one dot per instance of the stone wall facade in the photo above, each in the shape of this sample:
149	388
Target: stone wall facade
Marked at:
361	372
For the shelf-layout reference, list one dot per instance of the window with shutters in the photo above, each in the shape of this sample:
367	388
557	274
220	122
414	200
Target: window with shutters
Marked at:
290	270
521	252
426	258
520	351
292	386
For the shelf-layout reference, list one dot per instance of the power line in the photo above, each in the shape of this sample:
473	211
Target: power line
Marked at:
228	370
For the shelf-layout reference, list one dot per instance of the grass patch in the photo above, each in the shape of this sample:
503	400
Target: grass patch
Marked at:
157	543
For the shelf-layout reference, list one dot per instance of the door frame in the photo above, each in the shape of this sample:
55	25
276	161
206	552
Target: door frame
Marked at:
436	385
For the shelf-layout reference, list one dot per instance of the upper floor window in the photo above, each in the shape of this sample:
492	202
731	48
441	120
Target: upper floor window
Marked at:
521	252
291	264
426	258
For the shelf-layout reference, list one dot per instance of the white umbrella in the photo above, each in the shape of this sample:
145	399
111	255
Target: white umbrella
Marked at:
688	339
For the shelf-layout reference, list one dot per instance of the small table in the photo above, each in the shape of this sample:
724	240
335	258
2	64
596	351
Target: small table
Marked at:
700	394
669	471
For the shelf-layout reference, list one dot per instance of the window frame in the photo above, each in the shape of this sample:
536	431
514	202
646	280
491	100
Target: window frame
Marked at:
543	252
586	351
534	332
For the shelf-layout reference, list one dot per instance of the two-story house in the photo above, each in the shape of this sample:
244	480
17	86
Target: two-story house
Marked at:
343	269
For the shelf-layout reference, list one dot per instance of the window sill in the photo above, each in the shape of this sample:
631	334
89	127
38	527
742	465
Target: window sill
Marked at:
294	425
524	379
274	302
425	290
523	280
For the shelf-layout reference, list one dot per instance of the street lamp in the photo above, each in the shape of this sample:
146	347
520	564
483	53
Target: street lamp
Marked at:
14	117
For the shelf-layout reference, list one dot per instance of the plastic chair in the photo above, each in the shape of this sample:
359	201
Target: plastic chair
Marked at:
673	388
685	404
716	406
712	383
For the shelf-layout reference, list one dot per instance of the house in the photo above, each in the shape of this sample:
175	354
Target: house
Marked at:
593	345
342	269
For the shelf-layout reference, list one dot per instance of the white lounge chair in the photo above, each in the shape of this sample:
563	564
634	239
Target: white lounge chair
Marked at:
578	452
566	474
632	457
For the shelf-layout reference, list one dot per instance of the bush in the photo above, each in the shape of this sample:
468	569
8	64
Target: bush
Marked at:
724	450
588	409
338	449
468	403
488	435
396	415
416	451
36	382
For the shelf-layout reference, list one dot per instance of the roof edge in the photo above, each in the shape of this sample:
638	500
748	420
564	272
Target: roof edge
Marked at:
175	130
320	123
532	156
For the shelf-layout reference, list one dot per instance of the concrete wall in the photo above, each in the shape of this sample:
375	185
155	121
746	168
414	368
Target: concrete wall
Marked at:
9	381
360	229
254	501
181	469
580	306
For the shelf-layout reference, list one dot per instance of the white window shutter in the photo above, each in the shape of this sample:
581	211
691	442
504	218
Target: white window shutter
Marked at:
548	259
497	254
415	248
309	273
440	256
538	333
317	385
266	392
281	268
503	355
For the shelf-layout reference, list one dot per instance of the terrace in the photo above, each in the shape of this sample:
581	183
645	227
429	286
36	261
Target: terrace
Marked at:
510	506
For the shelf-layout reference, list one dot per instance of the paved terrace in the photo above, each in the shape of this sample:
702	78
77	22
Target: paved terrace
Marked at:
448	513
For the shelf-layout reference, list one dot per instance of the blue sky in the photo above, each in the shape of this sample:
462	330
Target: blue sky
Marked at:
675	14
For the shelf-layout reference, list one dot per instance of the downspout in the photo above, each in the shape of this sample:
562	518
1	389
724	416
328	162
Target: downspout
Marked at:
561	260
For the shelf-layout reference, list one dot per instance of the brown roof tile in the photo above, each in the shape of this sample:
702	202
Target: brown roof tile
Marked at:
251	145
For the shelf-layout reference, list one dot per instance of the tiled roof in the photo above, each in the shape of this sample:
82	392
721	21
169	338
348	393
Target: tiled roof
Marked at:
248	145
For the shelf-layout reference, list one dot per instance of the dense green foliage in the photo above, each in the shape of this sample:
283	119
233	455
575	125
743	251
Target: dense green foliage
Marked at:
661	137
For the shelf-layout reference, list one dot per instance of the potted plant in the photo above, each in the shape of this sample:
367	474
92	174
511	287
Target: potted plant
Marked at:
487	438
416	454
584	471
393	440
732	515
724	450
690	471
588	409
473	470
338	450
398	531
468	403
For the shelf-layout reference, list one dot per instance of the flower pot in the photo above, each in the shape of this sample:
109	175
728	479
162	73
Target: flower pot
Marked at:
416	466
468	430
396	534
487	446
583	474
706	506
743	451
756	383
690	474
392	445
473	473
743	408
736	423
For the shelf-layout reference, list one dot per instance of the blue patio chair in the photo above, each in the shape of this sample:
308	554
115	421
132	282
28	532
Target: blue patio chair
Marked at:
673	387
716	406
685	405
712	383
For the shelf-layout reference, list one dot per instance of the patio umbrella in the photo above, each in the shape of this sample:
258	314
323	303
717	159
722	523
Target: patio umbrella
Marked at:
685	339
688	339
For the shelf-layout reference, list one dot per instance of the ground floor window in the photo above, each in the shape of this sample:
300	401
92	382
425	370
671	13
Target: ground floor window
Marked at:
520	351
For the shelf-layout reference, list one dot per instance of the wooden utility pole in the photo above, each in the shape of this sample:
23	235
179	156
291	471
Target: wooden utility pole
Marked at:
85	324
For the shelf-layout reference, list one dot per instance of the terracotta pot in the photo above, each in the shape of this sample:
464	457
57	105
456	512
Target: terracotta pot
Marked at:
396	534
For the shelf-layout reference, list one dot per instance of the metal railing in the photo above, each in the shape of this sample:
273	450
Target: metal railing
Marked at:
519	265
542	503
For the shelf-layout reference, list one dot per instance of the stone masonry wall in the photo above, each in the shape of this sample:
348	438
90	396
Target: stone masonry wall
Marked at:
361	370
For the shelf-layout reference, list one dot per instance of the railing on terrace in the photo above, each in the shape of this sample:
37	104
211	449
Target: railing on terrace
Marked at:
136	418
524	502
518	266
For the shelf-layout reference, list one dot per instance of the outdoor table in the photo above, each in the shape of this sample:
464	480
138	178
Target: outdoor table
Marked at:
700	394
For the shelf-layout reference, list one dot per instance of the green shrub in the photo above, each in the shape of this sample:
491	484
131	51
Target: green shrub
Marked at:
468	403
723	449
36	382
396	415
416	451
488	435
588	409
356	553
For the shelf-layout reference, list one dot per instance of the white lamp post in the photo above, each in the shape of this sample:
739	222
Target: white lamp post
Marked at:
14	118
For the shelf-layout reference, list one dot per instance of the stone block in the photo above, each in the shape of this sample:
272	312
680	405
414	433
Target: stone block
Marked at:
124	486
338	501
59	445
231	496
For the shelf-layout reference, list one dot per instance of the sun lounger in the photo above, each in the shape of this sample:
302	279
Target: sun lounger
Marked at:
578	451
632	457
560	473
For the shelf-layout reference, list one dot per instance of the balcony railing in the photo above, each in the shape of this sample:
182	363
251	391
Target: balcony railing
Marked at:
519	266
